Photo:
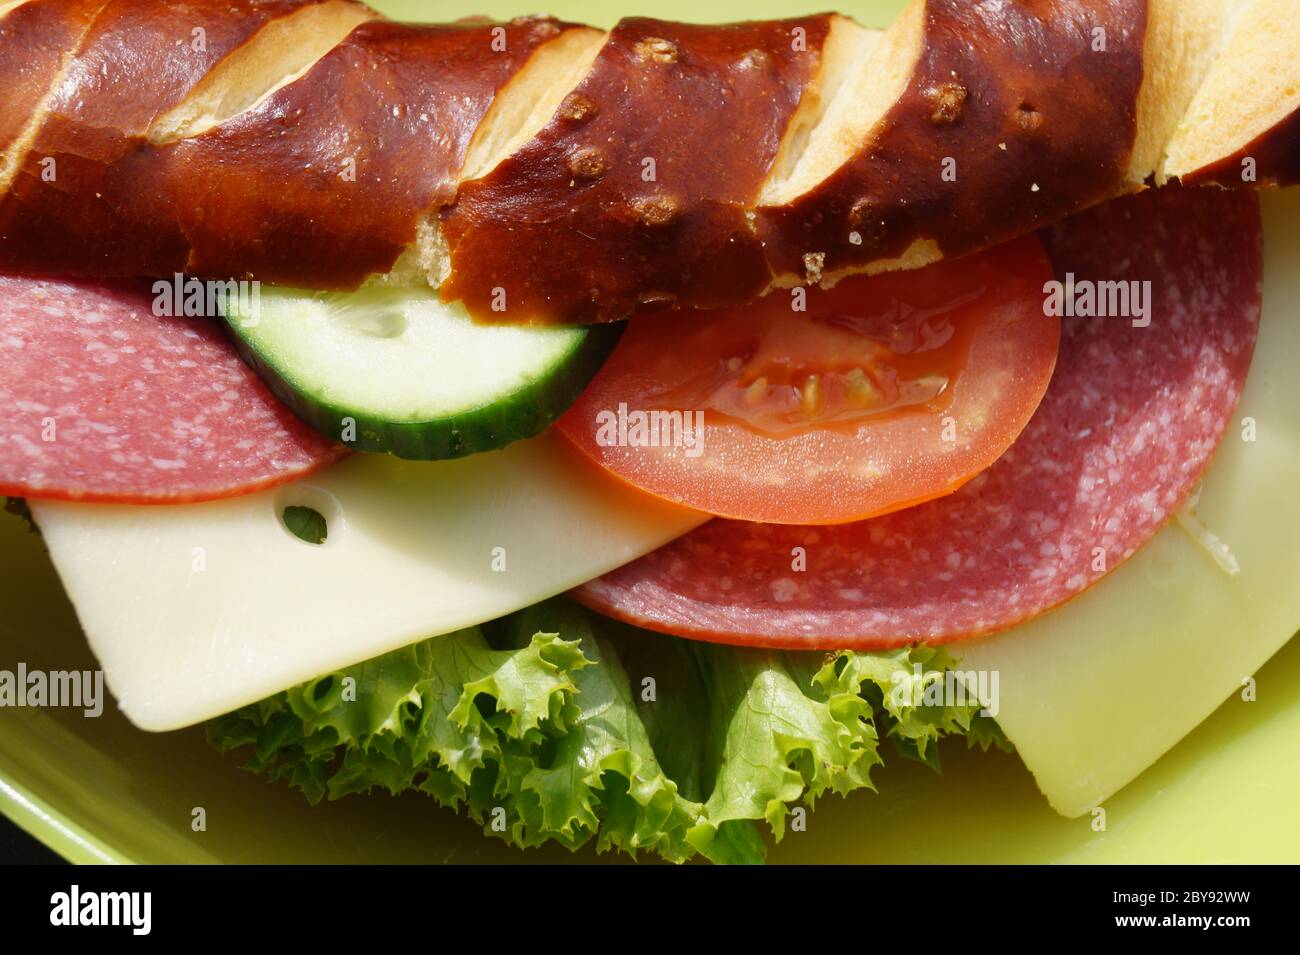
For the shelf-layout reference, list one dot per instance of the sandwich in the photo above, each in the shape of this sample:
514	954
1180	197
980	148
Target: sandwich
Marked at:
629	437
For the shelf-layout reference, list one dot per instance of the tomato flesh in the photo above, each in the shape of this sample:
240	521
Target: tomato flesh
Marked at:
826	406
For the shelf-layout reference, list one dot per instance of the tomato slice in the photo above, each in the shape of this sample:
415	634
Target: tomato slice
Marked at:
883	392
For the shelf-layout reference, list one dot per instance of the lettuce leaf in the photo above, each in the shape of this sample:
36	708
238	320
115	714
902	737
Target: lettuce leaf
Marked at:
554	725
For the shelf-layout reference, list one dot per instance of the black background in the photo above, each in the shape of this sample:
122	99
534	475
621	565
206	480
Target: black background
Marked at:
18	848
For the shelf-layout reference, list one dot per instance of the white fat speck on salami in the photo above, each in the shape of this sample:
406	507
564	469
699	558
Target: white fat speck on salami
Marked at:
104	401
1124	433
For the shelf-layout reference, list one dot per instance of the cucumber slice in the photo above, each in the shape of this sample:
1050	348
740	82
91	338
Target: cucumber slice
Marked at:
400	371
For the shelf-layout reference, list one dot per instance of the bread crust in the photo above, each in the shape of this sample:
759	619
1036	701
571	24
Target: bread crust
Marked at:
34	39
633	195
1029	122
654	183
80	202
325	182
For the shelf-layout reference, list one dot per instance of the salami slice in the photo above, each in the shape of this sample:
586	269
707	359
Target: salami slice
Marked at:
104	401
1127	428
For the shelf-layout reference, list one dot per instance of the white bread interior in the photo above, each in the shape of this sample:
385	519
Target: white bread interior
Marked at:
527	103
279	53
863	73
1183	39
823	108
918	255
1253	85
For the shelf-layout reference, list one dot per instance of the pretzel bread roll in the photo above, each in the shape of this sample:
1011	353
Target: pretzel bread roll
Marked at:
971	124
637	189
547	172
324	183
36	40
1010	116
78	203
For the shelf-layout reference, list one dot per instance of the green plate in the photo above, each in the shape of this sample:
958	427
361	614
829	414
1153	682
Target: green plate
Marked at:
99	790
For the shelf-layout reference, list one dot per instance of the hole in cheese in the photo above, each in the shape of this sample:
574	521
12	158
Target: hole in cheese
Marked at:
305	523
309	513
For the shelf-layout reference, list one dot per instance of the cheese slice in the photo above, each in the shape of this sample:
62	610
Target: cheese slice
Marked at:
196	609
1096	691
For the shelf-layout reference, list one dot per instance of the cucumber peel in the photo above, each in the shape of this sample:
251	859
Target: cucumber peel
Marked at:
401	372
